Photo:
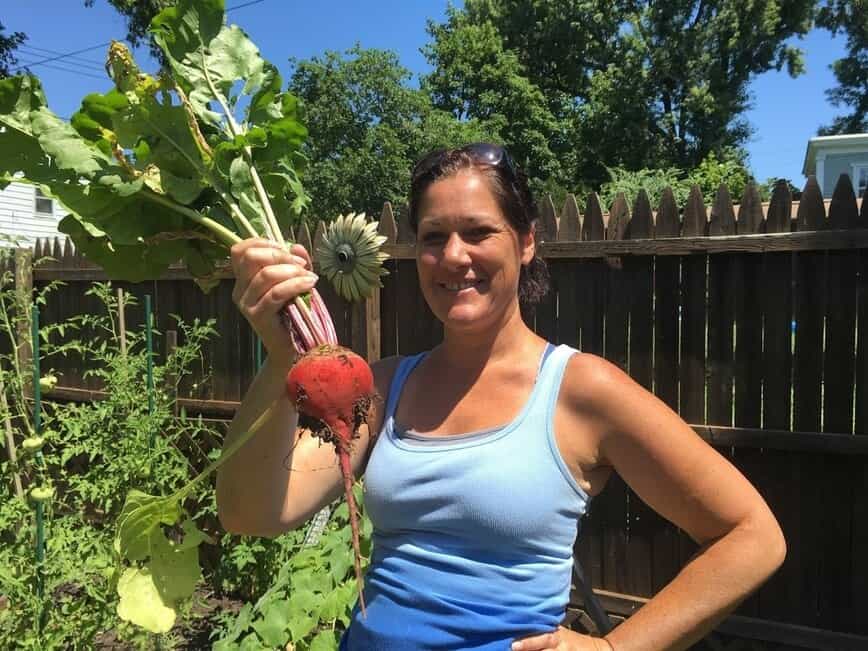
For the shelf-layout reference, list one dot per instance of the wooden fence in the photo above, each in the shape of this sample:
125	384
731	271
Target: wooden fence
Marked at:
751	322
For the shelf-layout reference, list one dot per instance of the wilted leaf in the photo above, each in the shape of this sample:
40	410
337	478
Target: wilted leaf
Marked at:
141	603
175	567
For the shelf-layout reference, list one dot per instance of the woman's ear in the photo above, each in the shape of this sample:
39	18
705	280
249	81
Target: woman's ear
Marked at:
527	242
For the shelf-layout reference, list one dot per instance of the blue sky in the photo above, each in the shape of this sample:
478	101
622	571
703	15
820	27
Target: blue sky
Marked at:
786	112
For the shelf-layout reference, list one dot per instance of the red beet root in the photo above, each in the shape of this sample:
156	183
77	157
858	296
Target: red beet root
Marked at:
335	386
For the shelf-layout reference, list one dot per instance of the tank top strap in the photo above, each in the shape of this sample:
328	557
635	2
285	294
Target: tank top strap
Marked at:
405	367
548	383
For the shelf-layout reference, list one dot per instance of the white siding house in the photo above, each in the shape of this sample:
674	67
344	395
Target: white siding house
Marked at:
26	214
828	157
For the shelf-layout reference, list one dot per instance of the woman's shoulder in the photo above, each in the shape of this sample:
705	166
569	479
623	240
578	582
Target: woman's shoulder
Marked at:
594	383
384	370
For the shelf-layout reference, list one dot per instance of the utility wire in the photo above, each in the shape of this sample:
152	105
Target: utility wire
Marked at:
70	70
244	4
65	56
43	51
24	59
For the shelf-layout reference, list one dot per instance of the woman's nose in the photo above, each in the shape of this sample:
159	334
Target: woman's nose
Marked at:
454	251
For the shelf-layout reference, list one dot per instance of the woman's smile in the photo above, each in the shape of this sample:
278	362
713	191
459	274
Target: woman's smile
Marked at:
463	286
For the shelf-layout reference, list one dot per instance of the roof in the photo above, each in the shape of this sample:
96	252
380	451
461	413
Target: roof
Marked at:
830	144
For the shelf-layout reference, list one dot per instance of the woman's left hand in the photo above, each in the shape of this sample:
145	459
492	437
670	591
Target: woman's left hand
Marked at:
562	639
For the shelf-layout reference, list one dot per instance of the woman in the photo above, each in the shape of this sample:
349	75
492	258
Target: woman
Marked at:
489	447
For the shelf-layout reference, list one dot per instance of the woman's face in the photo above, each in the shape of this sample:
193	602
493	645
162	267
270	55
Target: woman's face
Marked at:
467	254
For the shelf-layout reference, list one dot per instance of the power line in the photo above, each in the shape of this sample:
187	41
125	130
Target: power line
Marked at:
69	70
43	51
26	59
244	4
64	56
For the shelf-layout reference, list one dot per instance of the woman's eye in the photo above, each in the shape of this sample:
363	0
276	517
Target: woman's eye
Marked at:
477	234
432	238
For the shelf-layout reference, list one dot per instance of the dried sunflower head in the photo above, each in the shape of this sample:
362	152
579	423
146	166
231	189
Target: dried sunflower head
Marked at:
350	256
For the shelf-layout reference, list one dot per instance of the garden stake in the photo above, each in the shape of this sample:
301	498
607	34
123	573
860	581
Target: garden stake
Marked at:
149	336
40	462
122	322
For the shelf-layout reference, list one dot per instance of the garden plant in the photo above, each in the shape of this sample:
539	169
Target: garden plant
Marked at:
179	167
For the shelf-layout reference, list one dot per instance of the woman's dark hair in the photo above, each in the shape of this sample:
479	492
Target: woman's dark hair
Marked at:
509	186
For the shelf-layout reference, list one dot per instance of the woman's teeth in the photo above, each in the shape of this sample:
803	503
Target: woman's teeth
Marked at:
456	287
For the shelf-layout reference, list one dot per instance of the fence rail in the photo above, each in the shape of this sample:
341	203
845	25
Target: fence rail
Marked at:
750	320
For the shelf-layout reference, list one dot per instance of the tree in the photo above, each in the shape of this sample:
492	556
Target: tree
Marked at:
477	77
8	45
633	83
367	127
851	72
138	15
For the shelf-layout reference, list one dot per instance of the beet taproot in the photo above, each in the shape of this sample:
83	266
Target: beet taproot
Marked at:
334	386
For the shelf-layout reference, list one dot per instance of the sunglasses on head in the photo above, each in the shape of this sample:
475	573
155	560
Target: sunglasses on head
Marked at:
485	153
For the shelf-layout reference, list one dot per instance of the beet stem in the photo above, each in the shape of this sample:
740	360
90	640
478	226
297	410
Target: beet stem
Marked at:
347	472
312	321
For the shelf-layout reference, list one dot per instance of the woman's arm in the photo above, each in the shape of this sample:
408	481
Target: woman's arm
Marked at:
685	480
282	475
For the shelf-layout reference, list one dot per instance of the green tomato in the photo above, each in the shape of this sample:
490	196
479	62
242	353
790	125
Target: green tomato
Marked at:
47	382
41	494
32	444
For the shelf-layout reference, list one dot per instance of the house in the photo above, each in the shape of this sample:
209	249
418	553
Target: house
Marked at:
828	157
26	214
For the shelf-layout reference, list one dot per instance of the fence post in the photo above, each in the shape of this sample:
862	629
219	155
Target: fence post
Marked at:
10	441
23	298
372	325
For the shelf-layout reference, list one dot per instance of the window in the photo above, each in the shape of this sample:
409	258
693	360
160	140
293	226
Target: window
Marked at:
43	205
860	178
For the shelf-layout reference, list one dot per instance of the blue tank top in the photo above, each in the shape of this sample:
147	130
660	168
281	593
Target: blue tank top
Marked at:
473	534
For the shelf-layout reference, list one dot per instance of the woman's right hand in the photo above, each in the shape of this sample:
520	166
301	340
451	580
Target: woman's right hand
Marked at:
267	277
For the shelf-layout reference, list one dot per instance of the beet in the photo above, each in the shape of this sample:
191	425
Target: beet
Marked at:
334	386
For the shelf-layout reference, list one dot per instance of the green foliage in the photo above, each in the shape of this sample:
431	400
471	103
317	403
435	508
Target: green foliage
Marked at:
138	15
729	169
652	181
477	76
367	127
76	574
96	452
8	45
587	84
174	167
851	72
310	603
93	453
708	176
107	444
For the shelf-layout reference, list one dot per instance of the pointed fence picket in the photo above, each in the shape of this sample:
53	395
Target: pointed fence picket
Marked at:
750	319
